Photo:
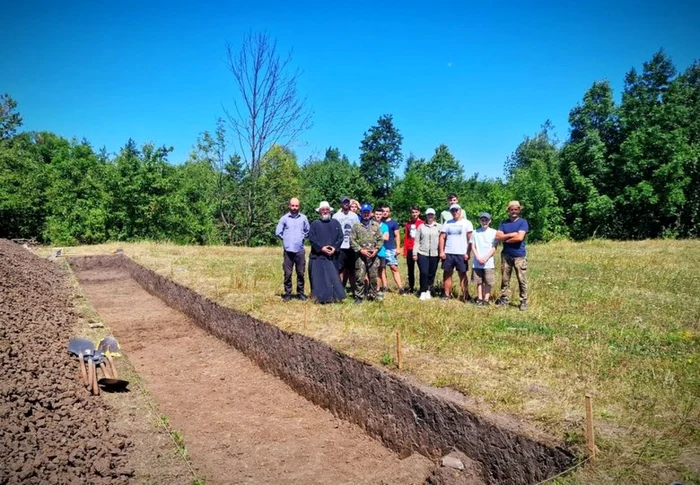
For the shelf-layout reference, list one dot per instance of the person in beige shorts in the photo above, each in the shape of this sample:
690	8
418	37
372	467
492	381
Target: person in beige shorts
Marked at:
483	245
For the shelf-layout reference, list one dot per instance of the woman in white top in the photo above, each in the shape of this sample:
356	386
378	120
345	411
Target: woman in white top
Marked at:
426	252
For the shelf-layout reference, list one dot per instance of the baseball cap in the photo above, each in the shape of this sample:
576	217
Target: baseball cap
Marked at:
344	199
430	210
366	207
324	205
455	206
485	215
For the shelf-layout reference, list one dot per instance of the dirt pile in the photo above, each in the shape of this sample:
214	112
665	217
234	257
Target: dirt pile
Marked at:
51	429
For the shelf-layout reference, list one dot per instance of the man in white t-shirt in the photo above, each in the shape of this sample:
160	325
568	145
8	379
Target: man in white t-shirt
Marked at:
346	256
454	250
483	246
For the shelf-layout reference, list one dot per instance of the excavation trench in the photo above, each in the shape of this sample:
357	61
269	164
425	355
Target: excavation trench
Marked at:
242	421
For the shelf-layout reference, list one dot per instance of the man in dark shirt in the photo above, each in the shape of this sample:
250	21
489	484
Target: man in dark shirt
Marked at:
393	248
512	234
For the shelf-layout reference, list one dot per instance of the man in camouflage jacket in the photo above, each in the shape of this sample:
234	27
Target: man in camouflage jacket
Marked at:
366	240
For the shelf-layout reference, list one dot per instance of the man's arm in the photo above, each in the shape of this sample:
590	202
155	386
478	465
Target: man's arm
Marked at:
514	237
306	228
313	239
354	244
279	232
441	245
397	238
469	246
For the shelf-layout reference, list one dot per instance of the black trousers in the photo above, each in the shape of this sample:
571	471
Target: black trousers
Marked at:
290	261
427	267
411	266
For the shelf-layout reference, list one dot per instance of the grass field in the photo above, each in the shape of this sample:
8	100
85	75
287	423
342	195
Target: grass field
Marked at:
619	320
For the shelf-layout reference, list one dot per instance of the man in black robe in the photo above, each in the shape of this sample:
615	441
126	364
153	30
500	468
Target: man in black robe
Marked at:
326	236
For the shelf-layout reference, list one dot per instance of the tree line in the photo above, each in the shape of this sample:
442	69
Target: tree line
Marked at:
627	170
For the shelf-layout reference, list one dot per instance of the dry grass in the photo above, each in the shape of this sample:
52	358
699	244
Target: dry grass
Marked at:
620	320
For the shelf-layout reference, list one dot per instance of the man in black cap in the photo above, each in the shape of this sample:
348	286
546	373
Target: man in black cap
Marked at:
346	256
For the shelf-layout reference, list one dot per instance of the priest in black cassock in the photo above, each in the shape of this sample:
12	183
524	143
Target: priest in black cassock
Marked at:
325	236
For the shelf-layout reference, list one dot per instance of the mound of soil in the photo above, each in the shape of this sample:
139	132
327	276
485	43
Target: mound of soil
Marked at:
51	429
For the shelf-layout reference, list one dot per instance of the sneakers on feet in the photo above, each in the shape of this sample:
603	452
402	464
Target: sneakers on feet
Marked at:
302	296
428	296
422	297
479	302
287	297
523	305
502	302
358	301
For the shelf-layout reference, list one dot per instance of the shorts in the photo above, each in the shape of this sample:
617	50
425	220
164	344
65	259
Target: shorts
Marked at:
382	261
455	262
346	259
484	275
391	259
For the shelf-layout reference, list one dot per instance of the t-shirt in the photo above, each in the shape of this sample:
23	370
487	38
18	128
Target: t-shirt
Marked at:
517	250
346	222
410	234
445	216
384	229
456	239
484	240
393	226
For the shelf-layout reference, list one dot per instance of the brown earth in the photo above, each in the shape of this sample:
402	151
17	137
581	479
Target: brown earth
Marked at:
240	425
51	429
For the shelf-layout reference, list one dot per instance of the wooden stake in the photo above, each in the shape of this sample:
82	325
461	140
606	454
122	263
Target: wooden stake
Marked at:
399	353
590	437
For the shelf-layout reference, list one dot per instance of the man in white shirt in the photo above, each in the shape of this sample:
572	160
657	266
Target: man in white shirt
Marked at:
483	246
454	250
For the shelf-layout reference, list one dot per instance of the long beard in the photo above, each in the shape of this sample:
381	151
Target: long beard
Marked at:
325	217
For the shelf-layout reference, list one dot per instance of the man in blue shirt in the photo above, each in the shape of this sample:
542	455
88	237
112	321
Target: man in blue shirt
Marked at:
292	229
512	234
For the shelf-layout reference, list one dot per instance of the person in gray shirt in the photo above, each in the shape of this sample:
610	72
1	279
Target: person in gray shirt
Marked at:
346	256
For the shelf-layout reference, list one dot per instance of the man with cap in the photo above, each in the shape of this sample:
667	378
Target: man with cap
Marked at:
326	237
446	215
454	250
366	240
512	234
346	256
483	246
292	229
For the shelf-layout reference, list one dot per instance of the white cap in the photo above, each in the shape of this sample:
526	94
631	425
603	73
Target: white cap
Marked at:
430	210
324	205
455	206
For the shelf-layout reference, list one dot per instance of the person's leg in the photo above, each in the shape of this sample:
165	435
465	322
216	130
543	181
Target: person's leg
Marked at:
489	280
464	284
433	262
350	266
423	272
372	268
506	271
360	283
287	265
447	282
411	267
300	263
478	281
520	265
343	266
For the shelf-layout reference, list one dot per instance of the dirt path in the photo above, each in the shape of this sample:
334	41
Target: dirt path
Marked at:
240	425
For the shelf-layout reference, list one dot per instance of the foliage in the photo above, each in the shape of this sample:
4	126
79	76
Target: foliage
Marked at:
380	155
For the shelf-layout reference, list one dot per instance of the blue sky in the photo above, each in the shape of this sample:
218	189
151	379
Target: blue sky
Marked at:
475	76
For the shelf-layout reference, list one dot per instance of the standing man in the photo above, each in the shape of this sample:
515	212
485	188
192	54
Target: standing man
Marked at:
512	234
326	237
446	215
410	231
483	245
454	250
292	229
393	245
346	256
366	240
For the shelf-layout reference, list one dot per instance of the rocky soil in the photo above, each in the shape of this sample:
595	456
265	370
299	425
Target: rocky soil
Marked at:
51	429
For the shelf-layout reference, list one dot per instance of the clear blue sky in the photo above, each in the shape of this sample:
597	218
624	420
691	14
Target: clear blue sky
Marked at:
475	76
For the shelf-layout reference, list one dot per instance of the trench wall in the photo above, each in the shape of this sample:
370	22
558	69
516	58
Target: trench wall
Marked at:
404	417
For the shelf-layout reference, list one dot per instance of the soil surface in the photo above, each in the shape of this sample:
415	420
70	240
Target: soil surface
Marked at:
240	425
51	429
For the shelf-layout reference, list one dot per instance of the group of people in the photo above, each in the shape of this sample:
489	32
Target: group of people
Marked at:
359	242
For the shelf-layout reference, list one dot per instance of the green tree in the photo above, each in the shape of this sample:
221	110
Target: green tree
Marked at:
10	119
380	155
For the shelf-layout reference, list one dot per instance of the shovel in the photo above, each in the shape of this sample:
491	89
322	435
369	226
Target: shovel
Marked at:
77	347
109	345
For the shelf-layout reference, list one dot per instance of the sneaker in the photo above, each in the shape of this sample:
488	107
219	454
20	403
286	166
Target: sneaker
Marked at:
479	302
287	297
357	301
428	296
422	297
445	297
302	297
523	305
402	291
485	303
502	302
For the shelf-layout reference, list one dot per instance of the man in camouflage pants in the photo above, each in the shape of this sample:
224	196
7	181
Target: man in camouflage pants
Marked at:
366	240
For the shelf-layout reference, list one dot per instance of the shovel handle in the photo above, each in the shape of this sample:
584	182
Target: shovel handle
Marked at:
90	373
112	367
83	372
105	372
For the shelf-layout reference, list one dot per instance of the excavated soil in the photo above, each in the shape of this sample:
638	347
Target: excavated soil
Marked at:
51	430
240	424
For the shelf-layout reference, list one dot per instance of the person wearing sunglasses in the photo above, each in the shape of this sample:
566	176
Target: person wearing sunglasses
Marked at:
454	250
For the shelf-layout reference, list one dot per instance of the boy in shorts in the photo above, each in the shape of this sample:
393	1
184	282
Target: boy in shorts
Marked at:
381	273
483	246
453	248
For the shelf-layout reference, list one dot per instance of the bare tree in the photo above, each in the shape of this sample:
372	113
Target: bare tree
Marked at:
269	109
